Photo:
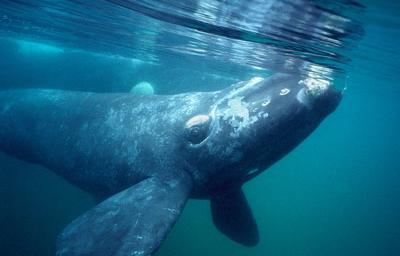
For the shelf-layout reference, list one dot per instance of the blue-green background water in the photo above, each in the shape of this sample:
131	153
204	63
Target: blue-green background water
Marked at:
336	194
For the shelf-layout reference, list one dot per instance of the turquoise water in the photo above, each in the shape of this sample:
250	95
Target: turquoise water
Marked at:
336	194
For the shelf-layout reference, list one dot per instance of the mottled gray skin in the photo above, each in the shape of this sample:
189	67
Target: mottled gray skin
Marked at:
159	150
102	143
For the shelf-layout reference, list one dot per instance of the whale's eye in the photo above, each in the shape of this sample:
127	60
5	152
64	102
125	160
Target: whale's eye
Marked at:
195	131
197	128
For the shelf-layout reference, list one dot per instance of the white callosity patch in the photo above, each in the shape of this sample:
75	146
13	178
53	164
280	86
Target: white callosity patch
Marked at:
238	115
233	110
284	91
315	86
266	102
302	98
237	110
317	81
263	115
242	86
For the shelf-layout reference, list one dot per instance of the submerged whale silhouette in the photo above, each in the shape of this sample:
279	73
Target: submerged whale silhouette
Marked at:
149	153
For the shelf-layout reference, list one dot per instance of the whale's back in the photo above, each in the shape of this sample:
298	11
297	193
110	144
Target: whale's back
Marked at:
67	132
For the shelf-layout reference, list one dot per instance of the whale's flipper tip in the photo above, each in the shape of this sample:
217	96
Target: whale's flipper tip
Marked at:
233	217
132	222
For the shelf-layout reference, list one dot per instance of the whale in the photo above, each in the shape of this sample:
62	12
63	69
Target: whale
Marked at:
146	155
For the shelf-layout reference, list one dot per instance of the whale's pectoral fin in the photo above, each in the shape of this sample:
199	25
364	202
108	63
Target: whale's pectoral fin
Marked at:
132	222
233	217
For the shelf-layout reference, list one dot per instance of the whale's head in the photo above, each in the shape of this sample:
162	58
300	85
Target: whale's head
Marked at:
252	124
